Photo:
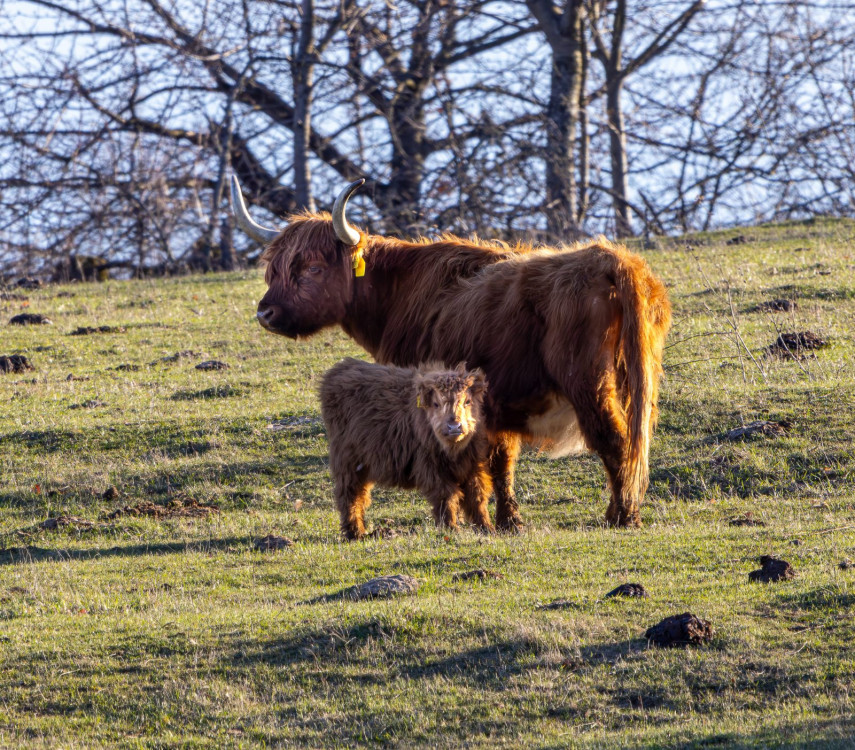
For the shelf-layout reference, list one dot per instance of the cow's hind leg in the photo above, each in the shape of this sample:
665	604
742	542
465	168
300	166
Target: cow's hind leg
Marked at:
476	496
504	450
352	498
605	431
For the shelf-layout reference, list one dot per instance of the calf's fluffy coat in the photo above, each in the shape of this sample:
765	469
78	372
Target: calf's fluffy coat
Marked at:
407	428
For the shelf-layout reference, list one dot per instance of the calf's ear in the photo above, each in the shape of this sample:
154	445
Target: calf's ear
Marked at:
424	394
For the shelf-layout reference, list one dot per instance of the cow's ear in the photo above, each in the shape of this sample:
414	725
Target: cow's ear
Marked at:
479	382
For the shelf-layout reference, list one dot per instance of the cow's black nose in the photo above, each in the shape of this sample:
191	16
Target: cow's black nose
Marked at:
268	315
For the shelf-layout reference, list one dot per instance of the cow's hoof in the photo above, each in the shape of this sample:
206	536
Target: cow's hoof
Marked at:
510	525
351	535
623	521
486	529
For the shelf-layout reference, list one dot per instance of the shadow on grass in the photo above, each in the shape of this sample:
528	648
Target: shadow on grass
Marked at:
335	646
35	554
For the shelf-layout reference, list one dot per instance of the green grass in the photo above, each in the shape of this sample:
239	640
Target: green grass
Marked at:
138	632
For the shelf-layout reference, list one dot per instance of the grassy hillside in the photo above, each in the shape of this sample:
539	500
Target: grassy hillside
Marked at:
168	630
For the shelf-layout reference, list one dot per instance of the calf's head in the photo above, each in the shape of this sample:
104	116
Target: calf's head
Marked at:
309	271
453	403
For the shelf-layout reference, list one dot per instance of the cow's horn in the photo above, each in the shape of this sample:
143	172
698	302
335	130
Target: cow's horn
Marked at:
245	221
343	230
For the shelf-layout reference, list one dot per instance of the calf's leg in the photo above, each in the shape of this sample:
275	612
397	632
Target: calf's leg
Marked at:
445	503
352	498
476	495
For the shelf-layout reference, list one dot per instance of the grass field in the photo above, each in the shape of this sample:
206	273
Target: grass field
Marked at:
130	630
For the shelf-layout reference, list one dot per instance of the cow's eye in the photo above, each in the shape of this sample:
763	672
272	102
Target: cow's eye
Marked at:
314	270
468	401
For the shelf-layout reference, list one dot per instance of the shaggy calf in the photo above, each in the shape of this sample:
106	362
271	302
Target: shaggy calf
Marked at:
407	428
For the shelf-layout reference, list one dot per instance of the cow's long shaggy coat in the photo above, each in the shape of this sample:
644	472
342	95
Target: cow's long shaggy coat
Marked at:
406	428
570	339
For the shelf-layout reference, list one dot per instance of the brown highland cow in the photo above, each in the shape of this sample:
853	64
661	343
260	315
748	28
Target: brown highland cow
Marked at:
570	339
406	428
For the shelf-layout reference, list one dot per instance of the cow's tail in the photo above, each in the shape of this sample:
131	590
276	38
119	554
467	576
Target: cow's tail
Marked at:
646	317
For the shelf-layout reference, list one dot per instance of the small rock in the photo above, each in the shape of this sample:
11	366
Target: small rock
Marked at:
382	588
30	319
212	364
271	543
111	493
628	589
680	630
773	570
760	428
15	363
481	574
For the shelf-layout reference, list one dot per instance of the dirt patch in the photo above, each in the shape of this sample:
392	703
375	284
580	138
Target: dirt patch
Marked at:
185	354
481	574
63	522
773	570
272	543
746	520
294	423
13	297
93	404
760	428
794	345
217	391
26	282
680	630
846	564
88	330
176	508
30	319
111	493
775	305
212	364
559	604
126	368
740	239
15	363
628	589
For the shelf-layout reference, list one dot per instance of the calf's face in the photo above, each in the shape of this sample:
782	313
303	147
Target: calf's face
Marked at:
453	404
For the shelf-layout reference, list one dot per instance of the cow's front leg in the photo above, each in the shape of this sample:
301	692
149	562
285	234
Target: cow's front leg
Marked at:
504	451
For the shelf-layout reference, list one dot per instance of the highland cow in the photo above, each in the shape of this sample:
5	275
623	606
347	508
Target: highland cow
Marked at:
570	339
416	429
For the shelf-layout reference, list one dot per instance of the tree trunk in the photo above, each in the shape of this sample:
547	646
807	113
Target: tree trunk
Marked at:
617	153
302	73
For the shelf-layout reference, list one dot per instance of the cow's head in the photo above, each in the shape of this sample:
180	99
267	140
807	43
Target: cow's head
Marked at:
309	271
453	403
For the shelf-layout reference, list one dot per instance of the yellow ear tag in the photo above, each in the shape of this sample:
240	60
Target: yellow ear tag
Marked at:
419	401
358	265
